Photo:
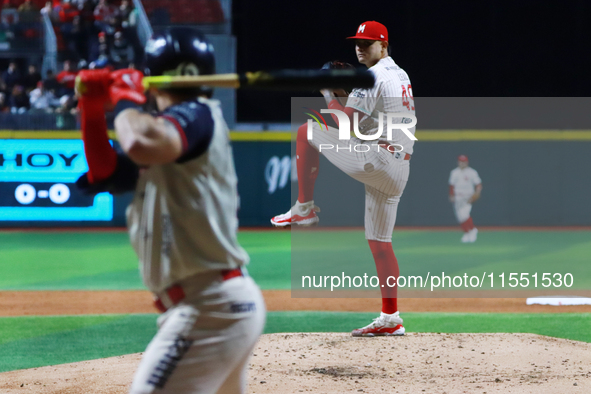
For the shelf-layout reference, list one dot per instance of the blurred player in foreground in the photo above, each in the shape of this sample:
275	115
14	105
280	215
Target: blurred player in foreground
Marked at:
182	221
464	189
384	169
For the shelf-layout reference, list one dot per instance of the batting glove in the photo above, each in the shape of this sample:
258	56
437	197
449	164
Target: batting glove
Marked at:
111	87
127	85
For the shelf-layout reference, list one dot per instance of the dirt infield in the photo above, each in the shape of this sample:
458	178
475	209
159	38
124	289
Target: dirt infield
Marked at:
339	363
42	303
334	363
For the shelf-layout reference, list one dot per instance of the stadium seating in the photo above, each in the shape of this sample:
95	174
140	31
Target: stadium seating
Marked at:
184	11
38	3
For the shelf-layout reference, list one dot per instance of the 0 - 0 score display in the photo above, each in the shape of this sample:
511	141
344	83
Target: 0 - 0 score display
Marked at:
37	183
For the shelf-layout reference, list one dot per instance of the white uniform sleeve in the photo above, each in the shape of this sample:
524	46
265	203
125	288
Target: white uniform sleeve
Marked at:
364	100
452	178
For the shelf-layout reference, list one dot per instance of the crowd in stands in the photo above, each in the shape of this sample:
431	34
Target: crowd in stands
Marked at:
91	34
166	12
101	32
19	19
30	93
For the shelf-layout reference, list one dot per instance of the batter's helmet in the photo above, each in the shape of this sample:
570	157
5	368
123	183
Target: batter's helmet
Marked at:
462	158
179	51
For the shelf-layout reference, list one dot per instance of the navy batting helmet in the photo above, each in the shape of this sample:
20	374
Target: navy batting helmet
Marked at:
179	51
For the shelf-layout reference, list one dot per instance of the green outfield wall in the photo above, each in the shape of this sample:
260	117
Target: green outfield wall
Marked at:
530	178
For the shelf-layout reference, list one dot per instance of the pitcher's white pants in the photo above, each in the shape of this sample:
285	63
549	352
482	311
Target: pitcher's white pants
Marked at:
383	174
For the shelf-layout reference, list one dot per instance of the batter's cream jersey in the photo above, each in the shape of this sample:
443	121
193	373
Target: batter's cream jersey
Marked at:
464	181
183	218
392	93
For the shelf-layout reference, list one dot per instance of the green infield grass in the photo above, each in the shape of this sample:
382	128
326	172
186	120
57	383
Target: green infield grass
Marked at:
427	253
29	342
106	261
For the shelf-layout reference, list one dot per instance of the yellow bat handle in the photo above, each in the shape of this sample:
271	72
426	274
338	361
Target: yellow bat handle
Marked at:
187	81
282	79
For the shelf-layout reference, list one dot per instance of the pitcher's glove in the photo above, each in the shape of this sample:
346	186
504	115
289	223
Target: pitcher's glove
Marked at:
336	65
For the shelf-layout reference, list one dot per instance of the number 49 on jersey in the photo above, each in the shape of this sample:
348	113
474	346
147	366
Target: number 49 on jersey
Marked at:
407	98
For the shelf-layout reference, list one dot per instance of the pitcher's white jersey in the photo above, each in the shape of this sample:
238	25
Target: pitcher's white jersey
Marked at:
183	219
392	93
464	181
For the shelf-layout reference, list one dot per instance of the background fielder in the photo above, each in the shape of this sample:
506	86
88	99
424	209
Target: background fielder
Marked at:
182	221
383	171
464	189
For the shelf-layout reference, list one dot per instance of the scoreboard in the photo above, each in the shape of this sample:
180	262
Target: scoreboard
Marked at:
37	183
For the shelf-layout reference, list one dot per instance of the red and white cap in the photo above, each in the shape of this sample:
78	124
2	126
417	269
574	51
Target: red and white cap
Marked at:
462	158
371	30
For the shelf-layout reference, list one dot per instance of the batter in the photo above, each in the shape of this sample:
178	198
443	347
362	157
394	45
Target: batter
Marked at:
183	218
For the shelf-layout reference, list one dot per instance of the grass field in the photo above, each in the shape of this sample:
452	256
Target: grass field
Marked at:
29	342
105	261
420	252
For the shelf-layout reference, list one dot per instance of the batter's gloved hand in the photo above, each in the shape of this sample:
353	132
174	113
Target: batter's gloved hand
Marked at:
111	87
127	85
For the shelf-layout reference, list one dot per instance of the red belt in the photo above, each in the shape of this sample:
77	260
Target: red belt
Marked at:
386	145
176	293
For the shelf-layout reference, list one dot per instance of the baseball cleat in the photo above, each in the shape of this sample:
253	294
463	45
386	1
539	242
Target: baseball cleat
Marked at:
470	236
385	325
466	237
473	234
302	214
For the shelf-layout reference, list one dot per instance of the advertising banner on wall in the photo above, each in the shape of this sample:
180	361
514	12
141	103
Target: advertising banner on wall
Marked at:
265	172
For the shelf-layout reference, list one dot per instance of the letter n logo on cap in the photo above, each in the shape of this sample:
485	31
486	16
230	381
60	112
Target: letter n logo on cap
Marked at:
361	29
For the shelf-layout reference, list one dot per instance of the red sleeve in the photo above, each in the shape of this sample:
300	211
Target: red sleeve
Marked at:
100	155
451	190
335	104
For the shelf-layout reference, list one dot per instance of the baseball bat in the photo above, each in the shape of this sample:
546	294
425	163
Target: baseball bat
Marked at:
278	80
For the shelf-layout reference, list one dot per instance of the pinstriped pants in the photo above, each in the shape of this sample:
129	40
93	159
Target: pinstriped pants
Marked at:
383	175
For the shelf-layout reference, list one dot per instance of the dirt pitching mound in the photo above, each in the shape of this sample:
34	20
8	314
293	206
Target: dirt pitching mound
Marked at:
338	363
